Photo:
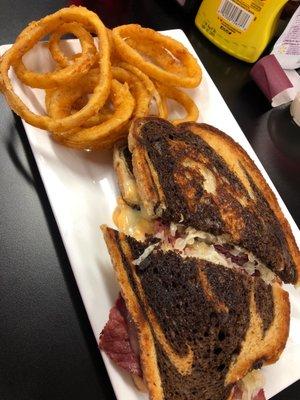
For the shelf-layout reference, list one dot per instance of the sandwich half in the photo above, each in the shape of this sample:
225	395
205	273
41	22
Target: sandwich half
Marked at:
200	321
196	175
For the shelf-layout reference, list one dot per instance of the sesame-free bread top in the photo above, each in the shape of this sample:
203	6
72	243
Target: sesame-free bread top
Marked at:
198	176
201	326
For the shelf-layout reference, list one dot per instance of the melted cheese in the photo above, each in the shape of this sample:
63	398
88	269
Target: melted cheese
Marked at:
209	183
131	222
206	252
130	192
251	384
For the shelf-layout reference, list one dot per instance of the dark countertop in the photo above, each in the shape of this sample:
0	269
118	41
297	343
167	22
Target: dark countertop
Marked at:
47	347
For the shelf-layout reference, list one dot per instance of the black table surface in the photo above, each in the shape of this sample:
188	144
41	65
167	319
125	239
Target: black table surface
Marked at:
47	348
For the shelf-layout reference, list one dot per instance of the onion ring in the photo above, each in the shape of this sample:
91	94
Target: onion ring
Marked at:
27	39
61	102
59	56
106	133
157	55
72	72
191	72
162	111
169	92
102	115
141	95
86	41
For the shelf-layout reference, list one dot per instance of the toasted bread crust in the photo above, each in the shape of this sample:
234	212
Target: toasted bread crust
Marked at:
147	348
145	183
211	184
267	350
221	288
126	181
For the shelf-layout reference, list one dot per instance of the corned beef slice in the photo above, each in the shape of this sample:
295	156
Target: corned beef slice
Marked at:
115	340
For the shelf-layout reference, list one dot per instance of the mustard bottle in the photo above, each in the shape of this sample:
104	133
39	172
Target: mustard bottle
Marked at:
242	28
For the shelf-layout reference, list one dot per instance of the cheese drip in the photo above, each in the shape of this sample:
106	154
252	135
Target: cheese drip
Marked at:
131	222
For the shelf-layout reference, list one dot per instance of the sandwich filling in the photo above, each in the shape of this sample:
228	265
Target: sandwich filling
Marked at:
119	339
188	242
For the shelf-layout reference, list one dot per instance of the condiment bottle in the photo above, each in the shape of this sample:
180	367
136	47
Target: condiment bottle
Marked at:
242	28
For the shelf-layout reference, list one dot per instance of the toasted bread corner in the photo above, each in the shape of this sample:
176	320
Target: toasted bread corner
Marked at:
259	346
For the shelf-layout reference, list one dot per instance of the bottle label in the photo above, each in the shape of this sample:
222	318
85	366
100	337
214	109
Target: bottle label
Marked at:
235	14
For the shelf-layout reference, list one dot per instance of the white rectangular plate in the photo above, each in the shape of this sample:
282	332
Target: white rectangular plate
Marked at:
82	190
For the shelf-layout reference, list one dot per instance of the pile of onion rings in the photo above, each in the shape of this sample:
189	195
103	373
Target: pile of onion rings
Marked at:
92	96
